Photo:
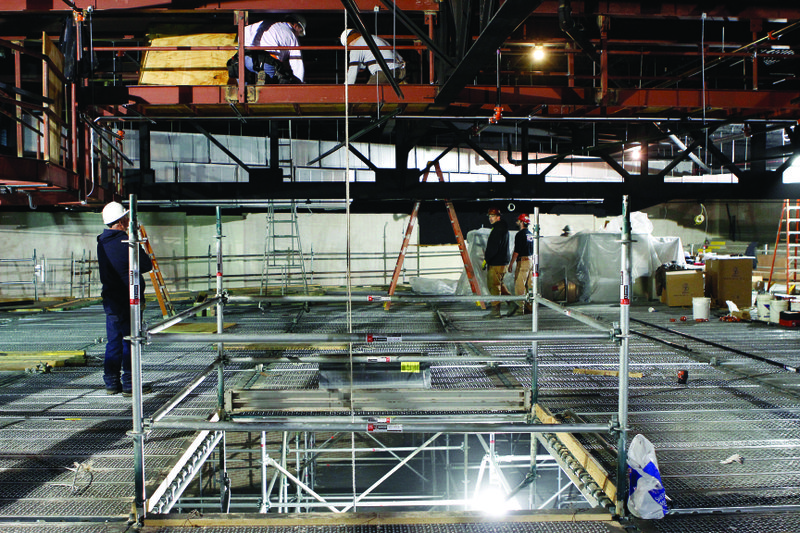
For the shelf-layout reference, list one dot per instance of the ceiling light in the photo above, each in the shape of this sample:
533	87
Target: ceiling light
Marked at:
538	53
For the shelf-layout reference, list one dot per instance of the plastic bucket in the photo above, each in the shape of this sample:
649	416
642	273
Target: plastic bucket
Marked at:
701	308
775	308
762	306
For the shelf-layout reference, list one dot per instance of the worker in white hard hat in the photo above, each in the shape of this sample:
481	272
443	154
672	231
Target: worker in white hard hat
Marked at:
273	66
522	259
112	261
364	59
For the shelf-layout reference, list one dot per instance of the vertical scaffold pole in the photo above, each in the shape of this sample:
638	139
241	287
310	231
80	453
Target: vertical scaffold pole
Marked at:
220	324
624	324
135	295
534	355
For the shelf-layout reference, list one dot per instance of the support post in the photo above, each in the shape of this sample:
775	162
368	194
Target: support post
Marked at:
136	338
624	324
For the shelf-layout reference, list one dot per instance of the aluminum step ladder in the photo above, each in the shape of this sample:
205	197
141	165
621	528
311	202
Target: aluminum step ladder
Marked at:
283	251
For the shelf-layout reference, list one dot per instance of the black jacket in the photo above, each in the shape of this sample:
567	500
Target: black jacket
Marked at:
112	260
523	243
497	246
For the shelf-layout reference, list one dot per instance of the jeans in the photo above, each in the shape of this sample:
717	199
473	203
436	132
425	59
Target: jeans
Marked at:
118	351
269	70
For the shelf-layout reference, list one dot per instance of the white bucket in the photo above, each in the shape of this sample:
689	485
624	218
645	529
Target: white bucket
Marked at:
701	308
794	305
762	306
775	308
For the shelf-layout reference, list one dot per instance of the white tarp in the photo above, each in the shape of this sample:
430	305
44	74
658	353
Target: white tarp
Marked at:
592	260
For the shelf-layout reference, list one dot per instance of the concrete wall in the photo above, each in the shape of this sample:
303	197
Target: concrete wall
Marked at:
182	244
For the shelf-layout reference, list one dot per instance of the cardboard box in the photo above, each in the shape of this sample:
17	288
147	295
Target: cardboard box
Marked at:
681	286
730	279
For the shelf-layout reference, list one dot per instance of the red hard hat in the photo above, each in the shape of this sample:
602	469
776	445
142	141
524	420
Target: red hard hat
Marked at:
493	211
525	219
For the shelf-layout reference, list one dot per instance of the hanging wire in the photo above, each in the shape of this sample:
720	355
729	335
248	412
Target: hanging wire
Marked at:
348	265
703	68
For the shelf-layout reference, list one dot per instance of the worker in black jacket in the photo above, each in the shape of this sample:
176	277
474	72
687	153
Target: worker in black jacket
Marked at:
496	258
112	260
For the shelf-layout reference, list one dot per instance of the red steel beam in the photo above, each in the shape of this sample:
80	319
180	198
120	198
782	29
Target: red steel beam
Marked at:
280	6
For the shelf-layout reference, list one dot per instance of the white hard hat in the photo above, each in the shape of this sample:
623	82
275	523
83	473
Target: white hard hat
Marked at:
112	212
345	34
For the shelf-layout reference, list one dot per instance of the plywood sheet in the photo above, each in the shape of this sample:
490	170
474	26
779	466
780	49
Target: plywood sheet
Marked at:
197	327
53	89
188	67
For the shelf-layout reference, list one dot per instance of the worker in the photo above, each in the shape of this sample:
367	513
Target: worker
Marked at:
364	59
272	66
567	231
523	259
496	258
112	261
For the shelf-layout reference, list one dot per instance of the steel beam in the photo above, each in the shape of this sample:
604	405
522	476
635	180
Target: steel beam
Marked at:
510	15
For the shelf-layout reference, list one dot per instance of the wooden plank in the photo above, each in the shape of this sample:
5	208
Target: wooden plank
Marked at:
54	89
197	327
383	518
23	360
188	67
580	453
596	372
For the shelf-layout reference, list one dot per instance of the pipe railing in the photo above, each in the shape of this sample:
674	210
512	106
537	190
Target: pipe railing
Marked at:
333	424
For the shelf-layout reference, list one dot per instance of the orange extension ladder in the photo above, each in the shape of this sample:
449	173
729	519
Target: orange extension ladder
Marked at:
789	228
159	287
462	246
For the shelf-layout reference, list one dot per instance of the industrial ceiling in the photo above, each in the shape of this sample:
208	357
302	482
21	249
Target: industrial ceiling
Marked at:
696	90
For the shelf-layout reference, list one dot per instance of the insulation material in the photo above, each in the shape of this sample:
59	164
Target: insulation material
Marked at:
188	67
592	260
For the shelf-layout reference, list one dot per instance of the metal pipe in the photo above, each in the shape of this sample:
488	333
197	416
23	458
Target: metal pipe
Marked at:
164	324
134	288
379	359
370	298
378	338
184	392
220	323
577	315
413	427
386	476
264	507
624	319
300	484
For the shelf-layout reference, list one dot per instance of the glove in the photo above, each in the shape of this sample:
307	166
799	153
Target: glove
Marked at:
483	265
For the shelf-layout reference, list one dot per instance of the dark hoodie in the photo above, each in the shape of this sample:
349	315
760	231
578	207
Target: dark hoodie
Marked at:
497	245
112	260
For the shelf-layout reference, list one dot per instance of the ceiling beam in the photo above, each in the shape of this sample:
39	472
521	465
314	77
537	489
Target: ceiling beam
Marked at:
507	18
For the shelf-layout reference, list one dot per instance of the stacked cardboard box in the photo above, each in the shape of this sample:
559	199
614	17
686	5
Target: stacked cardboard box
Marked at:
730	279
681	286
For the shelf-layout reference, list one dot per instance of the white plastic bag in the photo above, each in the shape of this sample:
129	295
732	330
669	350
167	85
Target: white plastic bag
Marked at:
646	495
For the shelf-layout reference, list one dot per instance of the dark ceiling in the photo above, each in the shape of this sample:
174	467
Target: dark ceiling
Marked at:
720	77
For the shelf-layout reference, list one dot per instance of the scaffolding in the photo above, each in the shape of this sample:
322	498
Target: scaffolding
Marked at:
521	415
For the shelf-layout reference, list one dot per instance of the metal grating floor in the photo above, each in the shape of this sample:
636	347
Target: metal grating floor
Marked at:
732	404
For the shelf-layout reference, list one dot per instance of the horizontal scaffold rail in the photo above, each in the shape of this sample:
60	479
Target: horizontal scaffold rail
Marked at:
370	338
184	423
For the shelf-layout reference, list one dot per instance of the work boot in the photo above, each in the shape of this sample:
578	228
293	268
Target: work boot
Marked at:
528	309
261	78
495	312
513	309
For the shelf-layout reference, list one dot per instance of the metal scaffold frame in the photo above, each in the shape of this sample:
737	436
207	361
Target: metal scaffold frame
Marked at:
213	428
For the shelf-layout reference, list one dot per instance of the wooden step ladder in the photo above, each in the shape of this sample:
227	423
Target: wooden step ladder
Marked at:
160	288
789	229
462	246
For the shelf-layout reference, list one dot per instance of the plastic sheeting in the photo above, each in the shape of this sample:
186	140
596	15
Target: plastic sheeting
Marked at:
592	260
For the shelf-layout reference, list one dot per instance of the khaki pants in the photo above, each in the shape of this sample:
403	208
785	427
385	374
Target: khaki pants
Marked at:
494	280
522	277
